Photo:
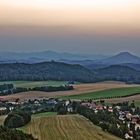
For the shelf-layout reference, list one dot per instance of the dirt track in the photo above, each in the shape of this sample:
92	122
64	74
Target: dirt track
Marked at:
78	89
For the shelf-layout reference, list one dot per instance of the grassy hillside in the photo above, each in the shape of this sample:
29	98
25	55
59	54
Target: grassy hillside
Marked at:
106	93
71	127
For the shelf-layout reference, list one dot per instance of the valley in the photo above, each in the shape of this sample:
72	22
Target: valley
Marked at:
67	100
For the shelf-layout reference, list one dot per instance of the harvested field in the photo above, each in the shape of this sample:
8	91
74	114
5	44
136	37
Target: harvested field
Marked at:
69	127
2	118
78	89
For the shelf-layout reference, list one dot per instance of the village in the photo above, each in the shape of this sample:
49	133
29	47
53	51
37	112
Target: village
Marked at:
121	116
124	114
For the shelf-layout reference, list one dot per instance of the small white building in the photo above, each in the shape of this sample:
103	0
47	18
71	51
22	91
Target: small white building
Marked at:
127	136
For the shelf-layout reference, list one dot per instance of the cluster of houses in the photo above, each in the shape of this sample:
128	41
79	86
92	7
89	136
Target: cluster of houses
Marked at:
126	117
130	119
96	106
34	105
7	106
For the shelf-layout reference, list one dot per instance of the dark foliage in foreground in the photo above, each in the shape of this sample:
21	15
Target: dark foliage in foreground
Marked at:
10	134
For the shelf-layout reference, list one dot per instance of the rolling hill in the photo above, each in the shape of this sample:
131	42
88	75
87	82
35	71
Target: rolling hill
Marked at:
66	72
119	73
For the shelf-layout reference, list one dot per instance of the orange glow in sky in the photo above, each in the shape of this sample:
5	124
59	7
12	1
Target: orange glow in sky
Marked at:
85	14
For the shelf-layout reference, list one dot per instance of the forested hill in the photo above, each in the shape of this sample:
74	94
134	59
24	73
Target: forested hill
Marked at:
119	73
67	72
45	71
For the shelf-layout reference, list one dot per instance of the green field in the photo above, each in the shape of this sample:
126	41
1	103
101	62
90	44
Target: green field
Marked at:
68	127
31	84
106	93
46	114
137	103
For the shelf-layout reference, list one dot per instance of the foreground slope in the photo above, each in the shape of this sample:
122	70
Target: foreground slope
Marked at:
69	127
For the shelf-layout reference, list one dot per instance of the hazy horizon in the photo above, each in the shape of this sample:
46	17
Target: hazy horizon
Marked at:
79	26
73	53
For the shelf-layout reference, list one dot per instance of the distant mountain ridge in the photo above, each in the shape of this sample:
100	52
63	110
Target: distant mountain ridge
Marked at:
121	67
36	57
83	59
122	58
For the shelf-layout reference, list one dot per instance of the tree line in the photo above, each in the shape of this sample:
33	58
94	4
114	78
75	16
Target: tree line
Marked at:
7	89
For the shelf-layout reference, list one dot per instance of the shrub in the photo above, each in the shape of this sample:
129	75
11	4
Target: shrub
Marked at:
17	119
14	122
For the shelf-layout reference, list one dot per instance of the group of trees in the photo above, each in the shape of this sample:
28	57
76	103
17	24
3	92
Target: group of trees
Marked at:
17	119
6	87
51	88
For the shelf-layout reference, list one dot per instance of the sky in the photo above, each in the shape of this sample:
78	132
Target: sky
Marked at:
81	26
